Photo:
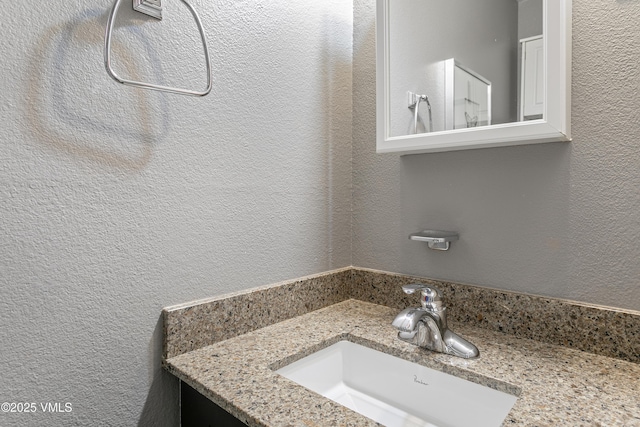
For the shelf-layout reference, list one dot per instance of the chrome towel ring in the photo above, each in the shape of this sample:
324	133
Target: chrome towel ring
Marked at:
113	75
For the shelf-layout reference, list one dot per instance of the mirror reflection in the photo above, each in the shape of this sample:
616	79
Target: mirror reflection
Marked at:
464	63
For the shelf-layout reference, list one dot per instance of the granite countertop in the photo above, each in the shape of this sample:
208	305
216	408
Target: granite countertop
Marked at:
556	386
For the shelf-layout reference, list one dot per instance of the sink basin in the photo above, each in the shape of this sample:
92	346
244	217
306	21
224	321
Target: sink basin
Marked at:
395	392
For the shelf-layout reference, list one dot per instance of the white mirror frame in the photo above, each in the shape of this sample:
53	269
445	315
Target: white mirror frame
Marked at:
556	122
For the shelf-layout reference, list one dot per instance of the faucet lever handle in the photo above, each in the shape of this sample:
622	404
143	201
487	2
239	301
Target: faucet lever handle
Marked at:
430	297
409	289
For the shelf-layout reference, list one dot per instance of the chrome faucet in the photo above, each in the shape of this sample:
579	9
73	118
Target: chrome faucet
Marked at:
426	326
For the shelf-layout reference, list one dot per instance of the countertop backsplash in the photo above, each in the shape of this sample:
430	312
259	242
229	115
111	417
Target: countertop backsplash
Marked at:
598	330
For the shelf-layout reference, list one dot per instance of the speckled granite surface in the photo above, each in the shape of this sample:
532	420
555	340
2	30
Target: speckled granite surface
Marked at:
598	330
200	323
557	386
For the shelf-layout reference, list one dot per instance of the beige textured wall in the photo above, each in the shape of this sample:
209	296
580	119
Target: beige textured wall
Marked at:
559	220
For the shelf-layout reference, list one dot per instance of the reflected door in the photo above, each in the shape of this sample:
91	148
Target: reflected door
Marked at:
532	78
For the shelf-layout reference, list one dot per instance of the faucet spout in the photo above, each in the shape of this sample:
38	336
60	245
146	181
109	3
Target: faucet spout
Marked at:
407	320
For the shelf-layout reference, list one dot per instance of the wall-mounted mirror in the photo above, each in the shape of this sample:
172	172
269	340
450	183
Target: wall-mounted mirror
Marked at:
460	74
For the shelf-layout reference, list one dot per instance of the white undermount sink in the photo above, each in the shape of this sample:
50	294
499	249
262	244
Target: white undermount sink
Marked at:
395	392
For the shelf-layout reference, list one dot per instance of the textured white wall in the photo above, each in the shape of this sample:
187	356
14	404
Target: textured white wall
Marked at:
559	220
115	202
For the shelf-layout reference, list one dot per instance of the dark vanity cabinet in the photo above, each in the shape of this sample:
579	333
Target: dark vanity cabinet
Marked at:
198	411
